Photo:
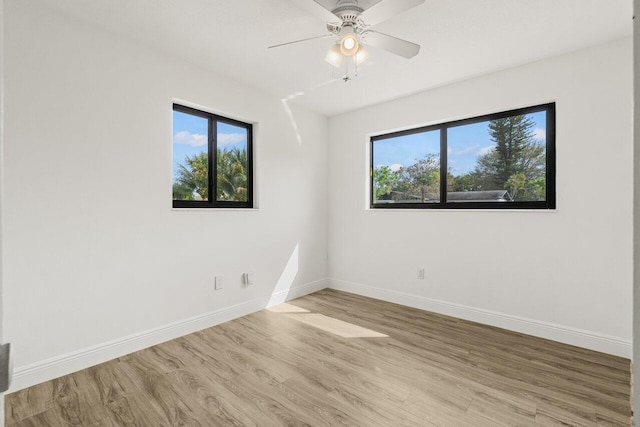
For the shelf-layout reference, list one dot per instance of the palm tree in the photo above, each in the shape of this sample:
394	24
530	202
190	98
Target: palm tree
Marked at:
232	175
192	178
191	182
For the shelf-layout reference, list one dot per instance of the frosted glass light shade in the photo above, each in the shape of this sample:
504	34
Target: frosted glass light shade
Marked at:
349	44
361	55
334	56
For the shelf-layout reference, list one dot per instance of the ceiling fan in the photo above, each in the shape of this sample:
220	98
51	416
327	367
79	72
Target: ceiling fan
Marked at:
353	28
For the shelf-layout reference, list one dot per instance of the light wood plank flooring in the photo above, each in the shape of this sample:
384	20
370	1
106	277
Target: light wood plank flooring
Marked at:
333	358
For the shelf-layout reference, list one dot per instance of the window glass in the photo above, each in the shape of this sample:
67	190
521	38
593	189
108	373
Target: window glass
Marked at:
498	160
212	160
406	168
231	174
190	157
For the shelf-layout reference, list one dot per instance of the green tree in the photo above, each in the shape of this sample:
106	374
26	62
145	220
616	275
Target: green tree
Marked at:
466	182
384	181
535	189
232	175
516	159
421	180
192	181
193	177
182	192
516	183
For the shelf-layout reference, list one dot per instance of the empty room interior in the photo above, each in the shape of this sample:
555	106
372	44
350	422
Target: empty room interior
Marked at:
317	212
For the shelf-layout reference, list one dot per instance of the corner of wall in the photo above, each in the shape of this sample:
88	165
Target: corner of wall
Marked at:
1	186
635	365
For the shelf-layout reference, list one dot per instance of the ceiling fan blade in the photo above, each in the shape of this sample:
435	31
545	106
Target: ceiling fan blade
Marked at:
329	5
323	12
302	40
386	9
391	44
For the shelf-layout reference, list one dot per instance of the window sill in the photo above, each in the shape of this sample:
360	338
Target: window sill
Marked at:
215	209
461	210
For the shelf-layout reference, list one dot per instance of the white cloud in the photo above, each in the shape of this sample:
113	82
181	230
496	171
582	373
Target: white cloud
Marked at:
540	134
185	137
230	138
198	140
484	150
394	167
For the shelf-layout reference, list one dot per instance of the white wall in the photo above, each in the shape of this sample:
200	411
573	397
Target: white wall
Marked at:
1	185
565	275
635	379
94	252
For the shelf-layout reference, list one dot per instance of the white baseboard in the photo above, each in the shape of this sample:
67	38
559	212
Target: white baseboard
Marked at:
297	292
568	335
26	376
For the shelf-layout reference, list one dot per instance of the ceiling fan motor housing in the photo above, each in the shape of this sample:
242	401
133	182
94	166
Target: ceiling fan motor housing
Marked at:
348	11
334	27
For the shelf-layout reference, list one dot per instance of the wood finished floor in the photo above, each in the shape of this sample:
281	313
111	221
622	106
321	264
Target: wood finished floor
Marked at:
346	360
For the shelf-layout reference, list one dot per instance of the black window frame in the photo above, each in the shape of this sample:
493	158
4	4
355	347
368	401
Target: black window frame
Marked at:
212	152
550	172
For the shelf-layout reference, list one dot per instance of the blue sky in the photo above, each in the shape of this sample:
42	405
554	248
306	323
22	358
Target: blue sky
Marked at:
465	144
190	137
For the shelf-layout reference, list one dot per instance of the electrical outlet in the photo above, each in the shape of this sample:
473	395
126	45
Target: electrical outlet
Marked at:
248	278
218	283
420	274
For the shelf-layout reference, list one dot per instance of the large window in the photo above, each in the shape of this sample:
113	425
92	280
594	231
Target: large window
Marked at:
212	165
499	161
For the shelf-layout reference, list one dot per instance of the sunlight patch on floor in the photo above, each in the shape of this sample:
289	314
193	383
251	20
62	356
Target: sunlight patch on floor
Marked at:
335	326
287	308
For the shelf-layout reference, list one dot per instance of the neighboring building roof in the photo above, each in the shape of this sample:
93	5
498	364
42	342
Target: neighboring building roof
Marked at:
480	196
455	196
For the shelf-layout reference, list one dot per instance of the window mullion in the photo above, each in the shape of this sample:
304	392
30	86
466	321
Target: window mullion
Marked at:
550	156
443	166
372	199
249	131
213	163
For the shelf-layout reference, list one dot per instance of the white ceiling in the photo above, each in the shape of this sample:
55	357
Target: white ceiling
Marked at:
459	38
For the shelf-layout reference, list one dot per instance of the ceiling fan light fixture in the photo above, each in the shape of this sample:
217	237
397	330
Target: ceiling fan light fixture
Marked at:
361	55
334	56
349	44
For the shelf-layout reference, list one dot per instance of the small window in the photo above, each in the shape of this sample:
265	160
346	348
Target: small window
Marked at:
212	162
499	161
